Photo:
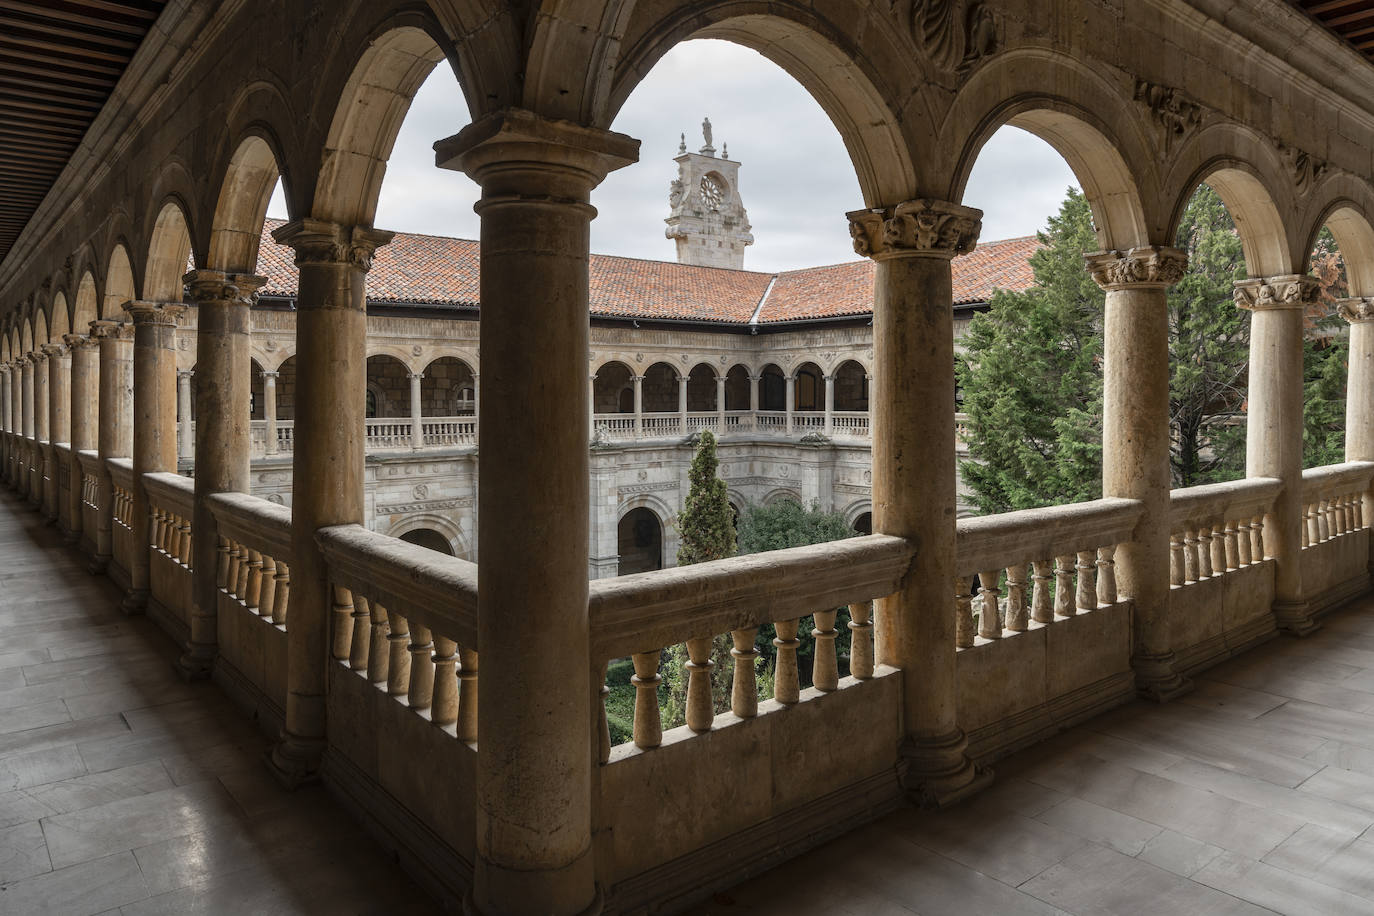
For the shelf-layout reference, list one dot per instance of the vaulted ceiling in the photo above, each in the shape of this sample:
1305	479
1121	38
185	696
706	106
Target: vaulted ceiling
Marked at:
1352	20
59	61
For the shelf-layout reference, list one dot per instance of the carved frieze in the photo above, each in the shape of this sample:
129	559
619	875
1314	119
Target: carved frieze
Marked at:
1157	266
922	227
1291	291
635	489
462	502
1174	114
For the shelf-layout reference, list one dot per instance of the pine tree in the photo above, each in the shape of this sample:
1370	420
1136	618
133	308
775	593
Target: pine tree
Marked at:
706	527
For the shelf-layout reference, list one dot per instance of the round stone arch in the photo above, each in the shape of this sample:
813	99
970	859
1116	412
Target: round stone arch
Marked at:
613	387
450	530
779	494
169	249
40	327
404	355
59	317
1066	104
448	387
855	509
86	307
738	386
667	524
852	74
250	176
119	286
272	360
1346	205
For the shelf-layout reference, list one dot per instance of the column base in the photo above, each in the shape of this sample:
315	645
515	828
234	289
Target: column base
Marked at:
1156	680
295	761
1295	618
135	601
99	564
937	772
532	887
195	664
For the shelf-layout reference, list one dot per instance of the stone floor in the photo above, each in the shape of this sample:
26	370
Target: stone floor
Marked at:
124	789
1255	794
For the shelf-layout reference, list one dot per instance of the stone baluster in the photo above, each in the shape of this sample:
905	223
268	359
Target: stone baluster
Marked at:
341	616
1086	596
1243	556
744	691
963	612
1257	538
241	585
1106	574
1064	604
1320	511
360	644
648	725
1204	552
1230	546
398	639
420	693
1177	564
282	599
252	593
1016	598
861	640
1308	532
1190	556
990	614
222	549
700	711
444	710
467	694
786	684
378	644
1329	505
231	581
825	674
267	593
1042	594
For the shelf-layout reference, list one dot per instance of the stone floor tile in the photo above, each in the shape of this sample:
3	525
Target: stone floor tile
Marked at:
1279	889
1125	834
1346	756
23	718
86	888
61	735
19	806
102	788
1017	849
24	771
1303	806
1324	721
1230	699
1350	869
23	853
1345	786
1180	854
22	657
1308	850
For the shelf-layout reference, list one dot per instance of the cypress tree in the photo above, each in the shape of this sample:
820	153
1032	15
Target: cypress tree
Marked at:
706	527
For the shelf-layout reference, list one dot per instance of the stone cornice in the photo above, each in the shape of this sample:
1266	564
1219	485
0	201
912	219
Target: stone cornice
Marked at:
1137	268
207	286
318	241
1288	291
1356	309
915	228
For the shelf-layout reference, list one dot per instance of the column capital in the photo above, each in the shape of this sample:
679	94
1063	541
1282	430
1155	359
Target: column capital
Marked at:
1150	266
105	329
915	228
217	286
36	357
1356	309
271	375
80	342
318	241
155	314
415	375
1287	291
55	349
507	150
633	378
185	373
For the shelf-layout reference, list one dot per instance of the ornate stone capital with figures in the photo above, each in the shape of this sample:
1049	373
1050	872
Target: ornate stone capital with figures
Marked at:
318	241
1356	309
924	228
156	314
1289	291
1156	265
218	286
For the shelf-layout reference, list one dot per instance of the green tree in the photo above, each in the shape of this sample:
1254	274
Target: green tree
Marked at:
786	524
1326	359
706	527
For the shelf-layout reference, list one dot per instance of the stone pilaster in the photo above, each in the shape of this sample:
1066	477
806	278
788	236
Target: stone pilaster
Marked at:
534	816
223	329
115	437
1135	443
85	404
914	476
1273	442
327	474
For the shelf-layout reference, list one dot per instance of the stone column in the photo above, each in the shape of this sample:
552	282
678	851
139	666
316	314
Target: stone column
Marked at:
327	473
39	448
790	405
914	476
682	403
720	404
6	440
754	399
591	405
26	451
638	382
59	421
1273	435
155	423
417	422
221	449
186	443
269	411
476	396
1135	444
1359	398
534	818
830	405
85	402
115	437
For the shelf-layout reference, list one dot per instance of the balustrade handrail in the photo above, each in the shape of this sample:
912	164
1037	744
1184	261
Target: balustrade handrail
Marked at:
1212	502
90	460
428	588
121	472
644	611
171	492
1332	477
995	541
252	520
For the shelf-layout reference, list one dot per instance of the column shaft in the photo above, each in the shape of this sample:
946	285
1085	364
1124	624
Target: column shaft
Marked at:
791	403
720	404
39	447
116	433
829	405
269	411
59	422
638	382
417	423
85	404
186	444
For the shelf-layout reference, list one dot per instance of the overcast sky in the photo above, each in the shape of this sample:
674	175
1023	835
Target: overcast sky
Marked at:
796	179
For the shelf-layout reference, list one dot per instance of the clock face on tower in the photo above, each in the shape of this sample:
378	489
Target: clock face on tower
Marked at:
712	191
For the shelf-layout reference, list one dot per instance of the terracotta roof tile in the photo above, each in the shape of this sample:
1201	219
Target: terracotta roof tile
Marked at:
441	271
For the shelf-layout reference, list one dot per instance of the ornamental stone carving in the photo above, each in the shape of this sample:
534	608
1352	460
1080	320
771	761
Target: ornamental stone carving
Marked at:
933	228
218	286
319	241
956	34
1174	114
1151	266
1356	309
1305	168
155	314
80	341
103	328
1290	291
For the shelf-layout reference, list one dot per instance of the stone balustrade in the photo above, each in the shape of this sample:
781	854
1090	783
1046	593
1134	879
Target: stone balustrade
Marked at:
88	463
253	553
171	500
121	496
1333	501
1218	528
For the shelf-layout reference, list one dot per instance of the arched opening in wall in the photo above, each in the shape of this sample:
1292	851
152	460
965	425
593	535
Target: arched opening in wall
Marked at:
639	540
851	387
388	388
59	325
430	539
40	329
250	182
119	285
772	389
26	337
286	390
256	408
701	389
169	250
613	389
863	524
660	389
737	388
810	388
448	389
85	310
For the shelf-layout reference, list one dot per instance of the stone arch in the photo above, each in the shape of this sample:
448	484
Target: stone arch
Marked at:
59	324
701	388
286	388
1350	223
640	540
851	386
448	389
877	111
368	115
660	388
856	510
85	310
236	230
781	494
449	530
256	390
772	388
169	250
808	388
119	283
26	337
40	329
737	387
613	390
388	387
1066	104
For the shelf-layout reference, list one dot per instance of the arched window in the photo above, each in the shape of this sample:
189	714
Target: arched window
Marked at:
371	410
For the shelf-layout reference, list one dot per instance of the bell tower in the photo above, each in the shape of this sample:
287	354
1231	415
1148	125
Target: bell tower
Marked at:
708	220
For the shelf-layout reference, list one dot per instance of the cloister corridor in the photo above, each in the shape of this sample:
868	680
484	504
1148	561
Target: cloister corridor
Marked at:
124	789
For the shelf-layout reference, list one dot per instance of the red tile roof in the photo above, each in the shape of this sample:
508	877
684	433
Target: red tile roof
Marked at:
433	270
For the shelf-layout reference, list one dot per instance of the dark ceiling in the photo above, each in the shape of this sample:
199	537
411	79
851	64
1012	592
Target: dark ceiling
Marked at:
1352	20
59	61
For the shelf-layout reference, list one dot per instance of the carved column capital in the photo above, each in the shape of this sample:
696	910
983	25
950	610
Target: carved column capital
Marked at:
80	342
105	329
271	375
185	373
155	314
1289	291
52	349
218	286
37	357
318	241
1139	267
1356	309
921	228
